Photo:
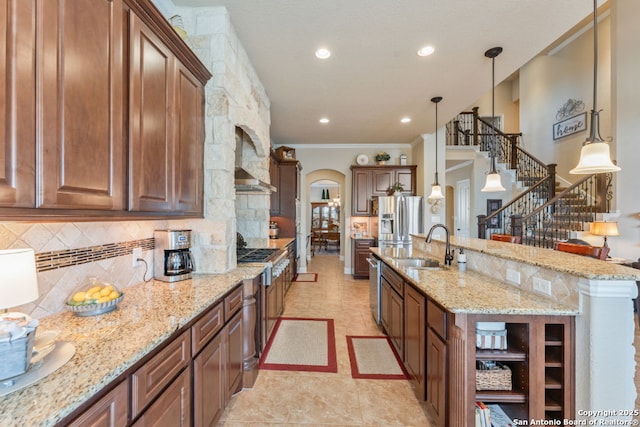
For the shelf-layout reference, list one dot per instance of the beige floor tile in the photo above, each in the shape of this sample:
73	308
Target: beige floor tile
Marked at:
287	398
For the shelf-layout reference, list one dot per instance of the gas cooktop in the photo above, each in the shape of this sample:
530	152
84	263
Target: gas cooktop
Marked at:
257	254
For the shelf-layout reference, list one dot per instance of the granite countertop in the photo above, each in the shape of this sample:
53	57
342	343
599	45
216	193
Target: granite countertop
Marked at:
280	243
576	265
474	293
108	344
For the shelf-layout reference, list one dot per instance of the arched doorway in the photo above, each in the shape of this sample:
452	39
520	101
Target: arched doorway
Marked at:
325	221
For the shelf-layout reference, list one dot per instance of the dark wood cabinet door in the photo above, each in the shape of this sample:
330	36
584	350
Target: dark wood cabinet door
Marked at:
151	155
414	338
189	141
381	181
209	386
361	193
272	307
235	355
396	322
436	378
173	407
407	178
112	410
360	254
81	132
17	104
274	176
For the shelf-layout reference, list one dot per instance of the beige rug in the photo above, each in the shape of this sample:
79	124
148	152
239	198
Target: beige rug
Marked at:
298	344
374	358
306	277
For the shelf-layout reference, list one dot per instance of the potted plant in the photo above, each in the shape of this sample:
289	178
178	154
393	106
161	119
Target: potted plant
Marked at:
382	157
395	188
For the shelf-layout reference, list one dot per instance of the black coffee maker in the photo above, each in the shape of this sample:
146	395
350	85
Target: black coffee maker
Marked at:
173	260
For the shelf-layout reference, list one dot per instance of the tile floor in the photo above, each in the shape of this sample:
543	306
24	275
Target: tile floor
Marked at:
287	398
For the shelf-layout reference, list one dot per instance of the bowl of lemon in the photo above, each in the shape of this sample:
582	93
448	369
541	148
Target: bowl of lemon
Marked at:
95	298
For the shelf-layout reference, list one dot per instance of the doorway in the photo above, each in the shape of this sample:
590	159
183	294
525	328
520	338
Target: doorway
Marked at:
325	220
462	217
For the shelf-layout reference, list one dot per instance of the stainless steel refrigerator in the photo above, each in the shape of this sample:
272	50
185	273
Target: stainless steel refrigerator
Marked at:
398	217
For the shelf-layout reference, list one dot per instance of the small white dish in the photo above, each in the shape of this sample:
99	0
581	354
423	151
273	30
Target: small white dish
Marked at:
362	159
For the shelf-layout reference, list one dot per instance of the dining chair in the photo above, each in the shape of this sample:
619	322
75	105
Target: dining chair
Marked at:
597	252
506	238
333	239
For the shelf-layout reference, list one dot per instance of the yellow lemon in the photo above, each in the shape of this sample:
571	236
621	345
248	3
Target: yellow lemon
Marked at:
103	299
93	290
96	295
79	296
114	295
106	291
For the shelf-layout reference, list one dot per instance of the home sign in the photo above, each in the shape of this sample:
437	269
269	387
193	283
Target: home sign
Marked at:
570	126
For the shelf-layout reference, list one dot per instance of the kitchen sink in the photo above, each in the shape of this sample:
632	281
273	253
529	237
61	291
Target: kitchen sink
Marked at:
419	263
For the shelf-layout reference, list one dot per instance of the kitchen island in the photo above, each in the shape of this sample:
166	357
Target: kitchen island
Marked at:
108	346
597	294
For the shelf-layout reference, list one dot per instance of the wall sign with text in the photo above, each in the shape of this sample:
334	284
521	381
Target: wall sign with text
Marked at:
570	126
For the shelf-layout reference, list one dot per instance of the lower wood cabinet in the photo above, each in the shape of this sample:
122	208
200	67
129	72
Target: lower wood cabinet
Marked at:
173	406
414	338
112	410
436	372
392	316
360	249
187	382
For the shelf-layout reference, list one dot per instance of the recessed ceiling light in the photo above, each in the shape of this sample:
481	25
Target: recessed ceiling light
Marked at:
405	119
324	120
323	53
425	51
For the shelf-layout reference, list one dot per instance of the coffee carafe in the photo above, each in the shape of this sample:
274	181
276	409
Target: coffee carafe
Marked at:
173	260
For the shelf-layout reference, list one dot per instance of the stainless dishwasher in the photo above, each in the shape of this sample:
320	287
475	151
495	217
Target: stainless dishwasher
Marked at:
374	288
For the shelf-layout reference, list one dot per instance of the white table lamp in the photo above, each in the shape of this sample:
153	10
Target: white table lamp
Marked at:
18	280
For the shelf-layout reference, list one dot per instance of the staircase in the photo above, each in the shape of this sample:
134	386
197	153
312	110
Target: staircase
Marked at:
545	212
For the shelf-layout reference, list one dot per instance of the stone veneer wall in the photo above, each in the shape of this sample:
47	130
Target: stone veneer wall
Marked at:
234	96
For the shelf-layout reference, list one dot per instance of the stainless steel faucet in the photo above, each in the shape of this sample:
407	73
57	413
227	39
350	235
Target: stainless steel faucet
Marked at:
448	257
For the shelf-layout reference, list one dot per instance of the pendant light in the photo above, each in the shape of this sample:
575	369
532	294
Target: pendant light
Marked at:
436	190
493	183
595	156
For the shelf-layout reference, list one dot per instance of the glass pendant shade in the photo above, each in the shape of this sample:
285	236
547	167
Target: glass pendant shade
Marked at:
493	183
436	192
595	158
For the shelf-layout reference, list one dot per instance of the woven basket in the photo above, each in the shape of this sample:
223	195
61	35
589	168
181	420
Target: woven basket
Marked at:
16	355
494	379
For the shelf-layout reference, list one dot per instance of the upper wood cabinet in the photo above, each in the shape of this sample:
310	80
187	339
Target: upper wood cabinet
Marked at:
102	112
374	181
81	137
17	104
285	176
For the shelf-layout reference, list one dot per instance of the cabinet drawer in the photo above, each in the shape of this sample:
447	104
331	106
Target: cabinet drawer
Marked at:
111	410
148	381
205	328
437	319
393	278
232	303
363	243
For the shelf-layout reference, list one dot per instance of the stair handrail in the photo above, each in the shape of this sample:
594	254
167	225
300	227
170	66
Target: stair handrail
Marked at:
483	220
601	187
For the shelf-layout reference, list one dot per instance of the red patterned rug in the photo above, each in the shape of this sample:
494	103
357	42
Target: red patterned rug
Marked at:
306	277
373	357
299	344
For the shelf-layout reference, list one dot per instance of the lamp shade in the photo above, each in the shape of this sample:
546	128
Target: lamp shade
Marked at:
493	183
436	193
594	158
19	284
604	228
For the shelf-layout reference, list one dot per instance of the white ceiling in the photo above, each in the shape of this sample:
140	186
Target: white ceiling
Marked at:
374	76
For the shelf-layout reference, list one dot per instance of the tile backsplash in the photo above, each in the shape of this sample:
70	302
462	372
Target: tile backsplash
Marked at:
67	254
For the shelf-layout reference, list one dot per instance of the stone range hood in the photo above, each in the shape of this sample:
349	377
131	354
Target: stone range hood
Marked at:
245	181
